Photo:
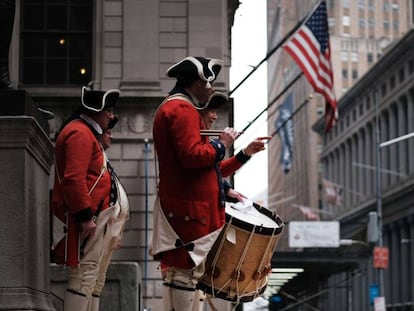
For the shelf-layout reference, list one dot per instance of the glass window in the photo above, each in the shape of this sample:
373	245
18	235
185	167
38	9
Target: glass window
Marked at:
386	24
344	56
371	5
346	20
371	22
370	58
354	57
401	74
56	42
354	74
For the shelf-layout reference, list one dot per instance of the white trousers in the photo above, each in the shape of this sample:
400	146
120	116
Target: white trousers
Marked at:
180	291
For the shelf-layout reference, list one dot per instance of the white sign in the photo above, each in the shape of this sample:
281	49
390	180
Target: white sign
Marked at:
379	304
313	234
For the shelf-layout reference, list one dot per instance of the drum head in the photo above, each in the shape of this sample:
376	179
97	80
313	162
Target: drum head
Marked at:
250	218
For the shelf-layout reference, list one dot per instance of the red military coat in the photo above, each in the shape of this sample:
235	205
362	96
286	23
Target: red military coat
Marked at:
189	190
79	165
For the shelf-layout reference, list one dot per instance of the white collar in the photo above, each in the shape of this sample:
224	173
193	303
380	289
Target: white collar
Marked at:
92	123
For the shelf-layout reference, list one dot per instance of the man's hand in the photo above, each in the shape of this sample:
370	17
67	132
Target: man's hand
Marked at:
256	145
236	195
228	136
88	229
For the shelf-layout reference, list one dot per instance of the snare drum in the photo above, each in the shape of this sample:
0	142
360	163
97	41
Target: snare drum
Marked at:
240	260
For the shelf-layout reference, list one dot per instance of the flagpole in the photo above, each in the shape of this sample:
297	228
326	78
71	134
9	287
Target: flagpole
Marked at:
270	53
274	100
291	116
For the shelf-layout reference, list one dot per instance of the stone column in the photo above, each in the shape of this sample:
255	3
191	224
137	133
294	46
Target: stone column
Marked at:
26	157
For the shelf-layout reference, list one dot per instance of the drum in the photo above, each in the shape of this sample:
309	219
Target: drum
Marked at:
240	260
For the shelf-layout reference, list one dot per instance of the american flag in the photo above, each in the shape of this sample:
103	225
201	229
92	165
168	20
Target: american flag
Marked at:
310	49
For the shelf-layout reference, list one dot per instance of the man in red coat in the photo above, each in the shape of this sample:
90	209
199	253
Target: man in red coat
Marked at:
82	196
189	210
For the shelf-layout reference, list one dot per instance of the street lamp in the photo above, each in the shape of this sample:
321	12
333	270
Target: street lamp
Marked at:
379	186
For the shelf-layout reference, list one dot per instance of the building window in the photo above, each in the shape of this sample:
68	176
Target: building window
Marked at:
346	21
383	90
354	57
371	5
56	42
370	58
401	74
344	73
411	66
392	82
345	3
354	74
320	111
395	25
361	4
344	56
395	7
368	103
386	24
371	22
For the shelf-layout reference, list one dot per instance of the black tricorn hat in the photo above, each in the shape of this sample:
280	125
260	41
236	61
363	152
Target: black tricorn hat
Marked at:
113	122
215	100
96	101
207	69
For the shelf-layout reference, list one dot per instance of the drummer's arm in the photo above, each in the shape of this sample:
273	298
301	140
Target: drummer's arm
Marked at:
231	194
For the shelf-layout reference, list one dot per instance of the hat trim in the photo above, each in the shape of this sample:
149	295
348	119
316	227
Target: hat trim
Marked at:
224	96
199	66
103	99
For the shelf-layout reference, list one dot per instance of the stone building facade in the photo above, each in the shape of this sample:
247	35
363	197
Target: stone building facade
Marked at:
132	43
349	159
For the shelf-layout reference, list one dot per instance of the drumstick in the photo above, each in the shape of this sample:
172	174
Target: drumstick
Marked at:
213	132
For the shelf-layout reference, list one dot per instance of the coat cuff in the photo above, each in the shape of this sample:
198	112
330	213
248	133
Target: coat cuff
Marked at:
242	157
83	215
220	149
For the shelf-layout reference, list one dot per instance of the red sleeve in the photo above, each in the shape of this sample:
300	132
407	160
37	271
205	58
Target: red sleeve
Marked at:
229	166
185	124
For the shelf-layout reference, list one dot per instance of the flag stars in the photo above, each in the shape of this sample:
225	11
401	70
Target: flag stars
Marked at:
318	24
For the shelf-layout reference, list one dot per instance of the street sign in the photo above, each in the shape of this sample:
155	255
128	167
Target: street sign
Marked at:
380	257
373	293
379	304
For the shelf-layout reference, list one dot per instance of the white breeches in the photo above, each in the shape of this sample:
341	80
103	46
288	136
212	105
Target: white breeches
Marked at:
83	279
89	277
180	289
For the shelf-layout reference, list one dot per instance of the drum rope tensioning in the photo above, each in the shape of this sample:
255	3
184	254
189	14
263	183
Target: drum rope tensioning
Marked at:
239	262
